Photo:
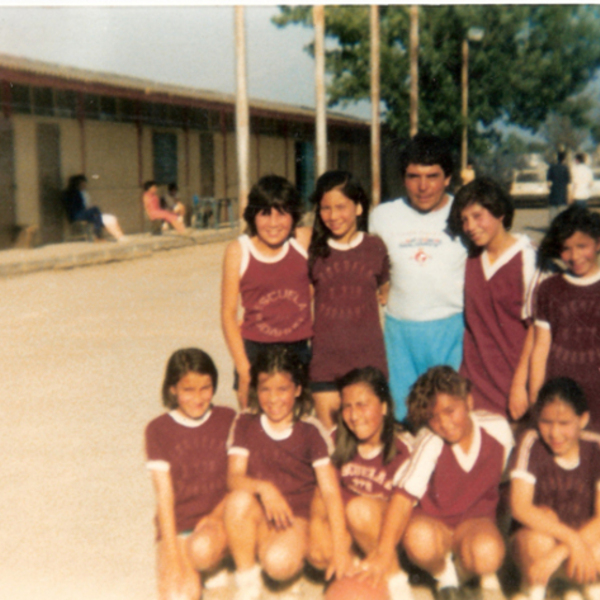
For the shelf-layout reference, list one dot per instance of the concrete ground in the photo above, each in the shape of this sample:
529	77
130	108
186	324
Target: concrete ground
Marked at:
81	359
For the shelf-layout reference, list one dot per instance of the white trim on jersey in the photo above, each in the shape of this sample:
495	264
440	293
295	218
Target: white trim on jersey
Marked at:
181	419
158	465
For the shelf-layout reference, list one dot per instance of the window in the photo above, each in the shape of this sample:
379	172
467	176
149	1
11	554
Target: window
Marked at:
21	98
43	101
108	108
66	103
207	165
91	106
305	169
164	148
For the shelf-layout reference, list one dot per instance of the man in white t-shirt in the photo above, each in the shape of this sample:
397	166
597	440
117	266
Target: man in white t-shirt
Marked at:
424	322
582	179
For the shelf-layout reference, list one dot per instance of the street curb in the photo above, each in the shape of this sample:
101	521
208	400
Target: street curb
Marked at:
80	254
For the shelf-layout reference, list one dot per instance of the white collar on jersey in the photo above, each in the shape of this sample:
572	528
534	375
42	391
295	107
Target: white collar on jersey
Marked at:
355	241
467	460
369	454
180	418
490	268
274	434
567	465
582	281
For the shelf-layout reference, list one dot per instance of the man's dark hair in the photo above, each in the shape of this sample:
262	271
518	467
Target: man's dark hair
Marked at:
429	150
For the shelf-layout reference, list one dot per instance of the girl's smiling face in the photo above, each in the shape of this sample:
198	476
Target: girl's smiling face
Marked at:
579	252
194	393
451	419
560	426
273	228
339	215
480	225
363	412
277	395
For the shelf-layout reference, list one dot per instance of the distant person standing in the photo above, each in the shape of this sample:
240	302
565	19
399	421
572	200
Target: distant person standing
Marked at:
559	178
582	178
424	322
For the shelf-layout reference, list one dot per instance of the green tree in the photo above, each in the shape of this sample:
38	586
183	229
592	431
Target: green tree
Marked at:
531	59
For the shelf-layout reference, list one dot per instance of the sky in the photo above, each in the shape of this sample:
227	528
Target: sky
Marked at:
186	45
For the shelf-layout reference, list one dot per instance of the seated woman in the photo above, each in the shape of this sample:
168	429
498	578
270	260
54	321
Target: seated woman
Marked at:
152	207
78	208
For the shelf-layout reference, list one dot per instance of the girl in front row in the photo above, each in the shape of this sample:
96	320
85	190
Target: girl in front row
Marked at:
554	492
350	272
186	450
277	457
266	271
370	451
567	311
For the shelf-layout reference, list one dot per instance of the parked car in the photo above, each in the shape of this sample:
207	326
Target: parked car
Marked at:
529	184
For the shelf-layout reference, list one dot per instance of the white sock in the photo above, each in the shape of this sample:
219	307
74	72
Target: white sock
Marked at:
490	582
537	592
399	587
592	591
248	578
448	577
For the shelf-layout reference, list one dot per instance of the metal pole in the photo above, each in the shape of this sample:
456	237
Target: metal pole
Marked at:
375	98
465	103
414	70
242	115
321	123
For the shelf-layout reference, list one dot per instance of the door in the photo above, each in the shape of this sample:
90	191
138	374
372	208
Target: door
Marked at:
305	170
51	209
8	217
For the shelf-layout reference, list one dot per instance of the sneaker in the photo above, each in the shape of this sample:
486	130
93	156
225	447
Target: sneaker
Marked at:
399	588
592	591
249	584
449	592
216	579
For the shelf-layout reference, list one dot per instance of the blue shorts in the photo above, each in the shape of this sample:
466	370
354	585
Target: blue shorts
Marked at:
412	347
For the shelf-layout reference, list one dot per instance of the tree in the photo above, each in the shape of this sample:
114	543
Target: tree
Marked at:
531	59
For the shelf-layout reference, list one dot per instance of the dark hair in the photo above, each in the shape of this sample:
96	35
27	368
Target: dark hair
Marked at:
423	393
172	187
560	156
489	194
278	358
561	388
182	362
427	149
580	157
148	185
272	192
349	186
75	181
346	443
563	226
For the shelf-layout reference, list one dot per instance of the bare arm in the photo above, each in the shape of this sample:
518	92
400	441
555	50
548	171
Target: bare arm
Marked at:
396	518
518	400
277	510
539	357
383	292
230	291
332	498
165	500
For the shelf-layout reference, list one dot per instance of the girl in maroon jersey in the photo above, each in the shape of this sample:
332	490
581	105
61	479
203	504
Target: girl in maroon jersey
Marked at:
567	312
554	492
186	450
370	452
498	338
350	272
278	456
266	271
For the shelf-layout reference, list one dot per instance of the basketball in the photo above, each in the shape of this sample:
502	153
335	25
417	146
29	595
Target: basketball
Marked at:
352	588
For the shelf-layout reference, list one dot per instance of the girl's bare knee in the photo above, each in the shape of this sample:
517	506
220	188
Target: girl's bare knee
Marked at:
422	542
207	548
485	553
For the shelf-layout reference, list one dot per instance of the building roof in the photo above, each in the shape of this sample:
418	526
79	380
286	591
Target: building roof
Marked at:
27	71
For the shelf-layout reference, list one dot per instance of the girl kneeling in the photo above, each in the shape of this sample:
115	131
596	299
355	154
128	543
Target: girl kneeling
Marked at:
277	457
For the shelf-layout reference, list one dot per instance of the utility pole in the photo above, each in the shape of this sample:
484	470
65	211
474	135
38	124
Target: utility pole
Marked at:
242	113
375	100
320	100
414	70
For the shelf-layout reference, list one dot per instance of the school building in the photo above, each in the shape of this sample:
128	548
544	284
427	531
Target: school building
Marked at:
120	131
